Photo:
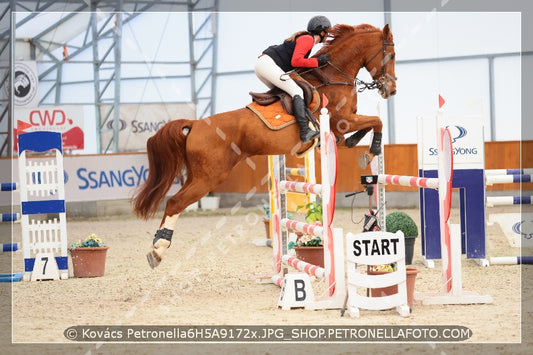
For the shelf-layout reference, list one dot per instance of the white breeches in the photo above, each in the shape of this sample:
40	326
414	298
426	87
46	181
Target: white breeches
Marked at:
273	76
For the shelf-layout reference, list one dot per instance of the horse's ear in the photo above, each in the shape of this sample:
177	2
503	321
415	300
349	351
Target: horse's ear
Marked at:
387	32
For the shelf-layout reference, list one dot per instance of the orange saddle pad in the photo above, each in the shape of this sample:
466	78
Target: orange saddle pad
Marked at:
274	115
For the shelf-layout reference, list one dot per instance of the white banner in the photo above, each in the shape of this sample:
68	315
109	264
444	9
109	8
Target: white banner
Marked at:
467	141
26	84
67	119
91	177
138	122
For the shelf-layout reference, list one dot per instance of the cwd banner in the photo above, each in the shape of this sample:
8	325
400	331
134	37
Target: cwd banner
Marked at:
138	122
91	177
68	120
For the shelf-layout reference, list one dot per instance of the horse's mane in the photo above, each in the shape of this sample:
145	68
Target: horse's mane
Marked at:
340	31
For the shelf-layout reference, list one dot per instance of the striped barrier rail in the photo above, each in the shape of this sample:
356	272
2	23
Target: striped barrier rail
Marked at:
432	183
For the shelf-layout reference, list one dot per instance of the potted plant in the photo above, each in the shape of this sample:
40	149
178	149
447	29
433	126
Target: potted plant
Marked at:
88	257
307	247
310	249
396	221
313	212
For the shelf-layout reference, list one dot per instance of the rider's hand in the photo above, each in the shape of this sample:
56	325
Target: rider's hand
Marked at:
322	59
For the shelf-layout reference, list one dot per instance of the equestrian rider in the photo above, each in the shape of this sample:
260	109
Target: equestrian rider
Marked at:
275	61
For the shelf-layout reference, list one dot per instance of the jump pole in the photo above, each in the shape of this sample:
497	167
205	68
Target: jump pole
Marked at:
333	271
9	218
511	260
9	187
513	231
508	200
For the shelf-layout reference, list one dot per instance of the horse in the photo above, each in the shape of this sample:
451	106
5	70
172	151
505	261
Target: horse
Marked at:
209	148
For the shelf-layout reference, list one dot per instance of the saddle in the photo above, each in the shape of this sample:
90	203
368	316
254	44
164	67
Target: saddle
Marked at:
275	94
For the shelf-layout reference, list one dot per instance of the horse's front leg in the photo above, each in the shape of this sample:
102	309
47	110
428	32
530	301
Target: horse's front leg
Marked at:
362	124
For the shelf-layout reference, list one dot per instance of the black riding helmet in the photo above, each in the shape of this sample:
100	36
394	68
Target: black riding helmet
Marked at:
318	24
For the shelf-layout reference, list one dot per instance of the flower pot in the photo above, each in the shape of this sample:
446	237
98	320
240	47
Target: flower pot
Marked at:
391	290
409	249
382	291
311	255
410	284
88	262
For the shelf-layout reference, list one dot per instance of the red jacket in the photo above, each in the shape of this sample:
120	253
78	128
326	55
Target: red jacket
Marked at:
294	54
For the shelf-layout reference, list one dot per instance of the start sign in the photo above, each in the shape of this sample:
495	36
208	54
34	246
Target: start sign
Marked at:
375	248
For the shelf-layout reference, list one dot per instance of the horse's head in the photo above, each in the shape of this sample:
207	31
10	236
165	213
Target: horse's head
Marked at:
371	47
380	62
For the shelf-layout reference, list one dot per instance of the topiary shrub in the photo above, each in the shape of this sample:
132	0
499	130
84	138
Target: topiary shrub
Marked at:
396	221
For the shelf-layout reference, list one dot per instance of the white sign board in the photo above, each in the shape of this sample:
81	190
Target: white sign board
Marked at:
67	120
91	177
467	141
138	122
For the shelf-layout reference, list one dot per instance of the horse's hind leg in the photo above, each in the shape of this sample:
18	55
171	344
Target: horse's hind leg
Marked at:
188	194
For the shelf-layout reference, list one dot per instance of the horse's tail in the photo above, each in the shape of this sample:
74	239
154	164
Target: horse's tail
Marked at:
167	159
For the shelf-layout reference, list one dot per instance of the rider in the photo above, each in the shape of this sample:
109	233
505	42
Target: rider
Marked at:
276	60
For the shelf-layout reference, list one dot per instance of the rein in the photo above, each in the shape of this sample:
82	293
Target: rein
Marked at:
375	84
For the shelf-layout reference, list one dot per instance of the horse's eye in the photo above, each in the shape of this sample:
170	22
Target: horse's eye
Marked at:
391	56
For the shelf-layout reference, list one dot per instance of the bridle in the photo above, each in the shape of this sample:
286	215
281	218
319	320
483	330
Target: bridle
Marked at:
384	77
377	83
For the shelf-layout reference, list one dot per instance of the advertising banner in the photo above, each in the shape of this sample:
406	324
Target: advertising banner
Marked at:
91	177
467	141
138	122
68	120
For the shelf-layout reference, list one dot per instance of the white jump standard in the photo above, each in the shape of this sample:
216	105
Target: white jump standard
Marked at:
333	271
42	191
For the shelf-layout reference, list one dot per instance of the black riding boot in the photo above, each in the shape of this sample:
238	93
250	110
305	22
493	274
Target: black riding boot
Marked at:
298	106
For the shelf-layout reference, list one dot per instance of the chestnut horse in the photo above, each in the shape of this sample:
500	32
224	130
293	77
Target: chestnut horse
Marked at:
209	148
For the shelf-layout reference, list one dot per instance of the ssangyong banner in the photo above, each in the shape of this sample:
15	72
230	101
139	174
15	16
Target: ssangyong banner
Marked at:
92	177
68	120
138	122
467	141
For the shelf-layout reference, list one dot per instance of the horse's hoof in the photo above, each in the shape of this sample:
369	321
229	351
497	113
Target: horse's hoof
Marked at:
153	259
365	159
155	255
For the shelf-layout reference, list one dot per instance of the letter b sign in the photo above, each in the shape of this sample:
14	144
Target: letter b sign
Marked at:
296	291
